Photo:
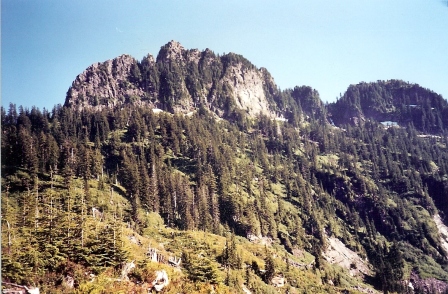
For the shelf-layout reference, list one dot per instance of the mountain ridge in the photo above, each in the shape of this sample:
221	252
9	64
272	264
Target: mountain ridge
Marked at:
185	80
392	100
177	80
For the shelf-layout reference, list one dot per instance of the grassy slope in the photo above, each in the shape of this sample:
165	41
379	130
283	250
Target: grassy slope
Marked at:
172	242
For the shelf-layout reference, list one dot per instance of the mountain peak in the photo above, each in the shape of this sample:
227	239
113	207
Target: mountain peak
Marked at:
104	84
174	45
178	80
171	51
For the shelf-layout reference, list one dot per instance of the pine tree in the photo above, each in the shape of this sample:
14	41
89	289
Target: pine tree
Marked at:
186	200
269	267
230	257
200	269
130	180
145	184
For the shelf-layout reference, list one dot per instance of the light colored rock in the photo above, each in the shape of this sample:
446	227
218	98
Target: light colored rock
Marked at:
278	281
248	92
338	253
112	83
104	84
127	268
259	239
68	282
32	290
160	281
443	231
16	289
245	290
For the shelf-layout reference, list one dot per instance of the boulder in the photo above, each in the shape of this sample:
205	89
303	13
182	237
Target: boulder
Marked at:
278	281
160	281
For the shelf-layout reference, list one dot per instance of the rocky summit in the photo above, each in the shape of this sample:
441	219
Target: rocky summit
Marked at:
179	80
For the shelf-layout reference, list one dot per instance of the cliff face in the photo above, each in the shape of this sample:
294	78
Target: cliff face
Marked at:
178	80
105	84
247	89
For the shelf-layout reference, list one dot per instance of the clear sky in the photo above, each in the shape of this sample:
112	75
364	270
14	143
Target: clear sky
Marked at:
327	45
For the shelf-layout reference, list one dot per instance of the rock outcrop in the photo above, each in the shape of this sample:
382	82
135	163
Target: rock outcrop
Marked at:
178	80
278	281
127	268
105	84
428	285
338	253
247	86
160	281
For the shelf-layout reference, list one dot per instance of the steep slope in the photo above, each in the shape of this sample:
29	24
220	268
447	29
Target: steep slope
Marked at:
105	84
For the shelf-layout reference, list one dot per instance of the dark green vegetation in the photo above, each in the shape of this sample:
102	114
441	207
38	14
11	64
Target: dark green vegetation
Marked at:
394	101
297	181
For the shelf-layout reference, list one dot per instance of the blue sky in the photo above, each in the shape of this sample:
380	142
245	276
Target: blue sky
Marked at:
327	45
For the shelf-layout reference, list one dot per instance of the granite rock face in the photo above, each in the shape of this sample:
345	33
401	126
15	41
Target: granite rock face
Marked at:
178	80
105	84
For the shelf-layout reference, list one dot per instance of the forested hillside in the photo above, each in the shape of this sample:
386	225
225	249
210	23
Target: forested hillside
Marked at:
204	158
393	101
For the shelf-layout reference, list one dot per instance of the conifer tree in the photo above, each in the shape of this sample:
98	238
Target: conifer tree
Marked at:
269	267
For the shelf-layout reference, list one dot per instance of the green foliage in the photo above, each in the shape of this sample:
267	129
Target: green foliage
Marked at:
73	182
395	101
389	266
269	267
200	268
230	256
